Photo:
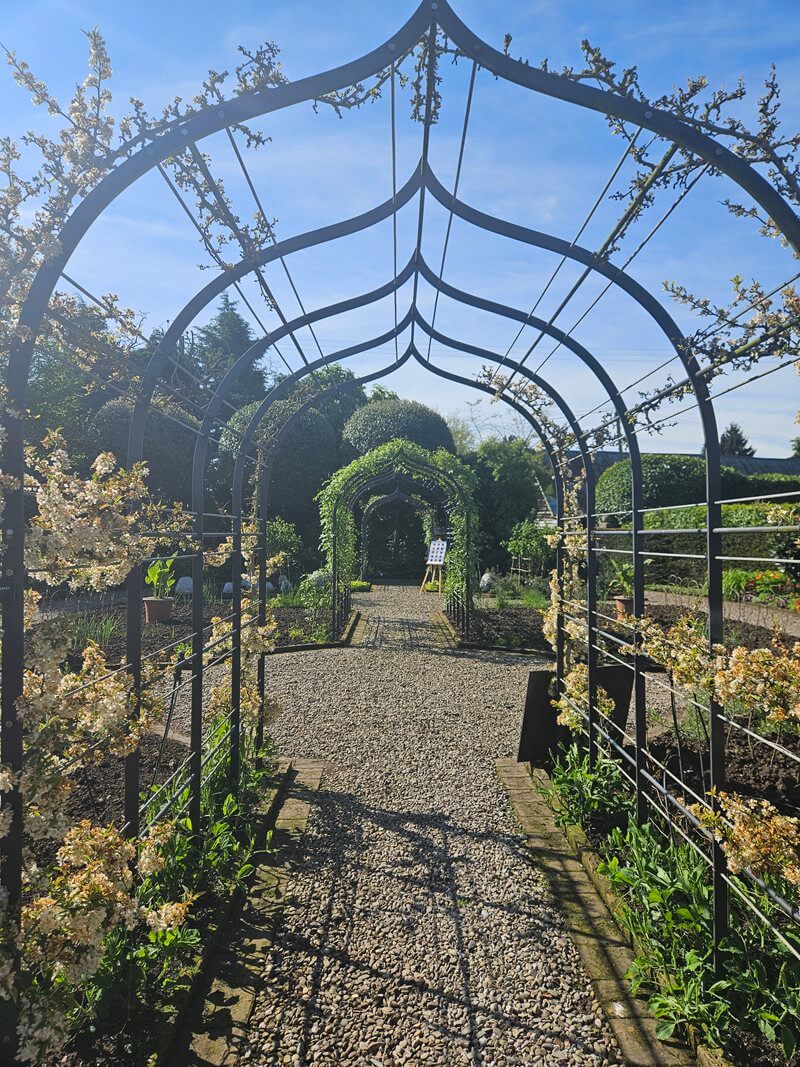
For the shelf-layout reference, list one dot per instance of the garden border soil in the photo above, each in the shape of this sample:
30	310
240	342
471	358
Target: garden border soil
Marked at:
214	1025
458	641
590	907
211	950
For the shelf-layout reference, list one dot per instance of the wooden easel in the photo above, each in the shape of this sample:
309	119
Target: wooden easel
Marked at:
435	563
433	569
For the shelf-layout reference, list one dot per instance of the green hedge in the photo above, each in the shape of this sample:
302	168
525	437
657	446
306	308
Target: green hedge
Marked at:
386	420
764	545
674	479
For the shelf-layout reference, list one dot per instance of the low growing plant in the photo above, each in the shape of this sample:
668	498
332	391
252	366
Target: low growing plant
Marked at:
160	576
594	797
667	899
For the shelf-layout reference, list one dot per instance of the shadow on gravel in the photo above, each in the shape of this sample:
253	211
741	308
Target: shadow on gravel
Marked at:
425	853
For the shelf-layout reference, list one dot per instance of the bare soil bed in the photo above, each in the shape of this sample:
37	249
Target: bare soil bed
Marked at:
295	626
510	628
751	769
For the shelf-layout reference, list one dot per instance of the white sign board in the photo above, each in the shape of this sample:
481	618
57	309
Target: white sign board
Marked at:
436	553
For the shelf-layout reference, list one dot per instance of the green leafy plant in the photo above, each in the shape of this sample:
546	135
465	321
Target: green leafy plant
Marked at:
359	586
734	582
667	906
160	576
622	582
594	797
528	541
86	626
769	583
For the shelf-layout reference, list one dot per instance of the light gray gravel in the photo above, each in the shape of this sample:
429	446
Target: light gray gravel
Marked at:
417	930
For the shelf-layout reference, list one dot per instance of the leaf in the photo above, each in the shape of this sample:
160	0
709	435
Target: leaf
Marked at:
788	1042
665	1028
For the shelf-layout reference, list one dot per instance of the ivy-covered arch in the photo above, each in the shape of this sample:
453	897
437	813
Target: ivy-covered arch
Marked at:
456	485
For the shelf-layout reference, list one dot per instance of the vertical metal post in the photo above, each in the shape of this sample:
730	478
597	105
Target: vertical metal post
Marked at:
467	578
13	583
196	721
560	643
591	609
133	646
334	566
262	619
639	694
715	635
236	655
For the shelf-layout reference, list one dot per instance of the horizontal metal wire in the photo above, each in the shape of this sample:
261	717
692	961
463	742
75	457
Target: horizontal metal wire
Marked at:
731	882
760	738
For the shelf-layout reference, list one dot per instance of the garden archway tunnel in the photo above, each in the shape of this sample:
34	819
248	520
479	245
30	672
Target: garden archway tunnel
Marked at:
540	397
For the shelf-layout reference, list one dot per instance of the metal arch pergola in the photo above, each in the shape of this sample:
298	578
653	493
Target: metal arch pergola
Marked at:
428	479
397	496
185	134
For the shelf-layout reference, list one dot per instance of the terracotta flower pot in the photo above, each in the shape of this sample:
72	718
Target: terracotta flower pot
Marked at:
157	609
624	605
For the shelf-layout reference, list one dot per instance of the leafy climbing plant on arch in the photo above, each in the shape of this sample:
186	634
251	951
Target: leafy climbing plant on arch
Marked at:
452	478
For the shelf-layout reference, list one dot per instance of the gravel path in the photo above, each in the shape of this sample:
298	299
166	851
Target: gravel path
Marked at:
417	930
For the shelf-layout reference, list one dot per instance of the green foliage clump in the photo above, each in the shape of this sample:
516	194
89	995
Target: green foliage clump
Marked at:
594	797
746	545
666	890
382	421
168	446
666	480
282	536
358	586
666	896
529	540
734	582
308	453
511	479
160	576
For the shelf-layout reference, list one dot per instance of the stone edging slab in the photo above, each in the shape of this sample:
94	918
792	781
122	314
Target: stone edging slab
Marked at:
215	1031
312	646
603	948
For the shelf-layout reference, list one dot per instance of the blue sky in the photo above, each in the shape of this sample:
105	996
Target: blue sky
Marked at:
535	161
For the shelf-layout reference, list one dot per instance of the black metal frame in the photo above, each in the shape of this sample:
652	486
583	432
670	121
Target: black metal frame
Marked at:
395	497
187	133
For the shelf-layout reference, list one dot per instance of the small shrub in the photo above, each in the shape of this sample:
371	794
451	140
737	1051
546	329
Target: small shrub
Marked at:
596	798
529	541
431	587
382	421
734	583
358	586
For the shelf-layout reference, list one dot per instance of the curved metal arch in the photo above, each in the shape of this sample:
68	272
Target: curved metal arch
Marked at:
628	109
310	239
634	289
361	481
397	496
250	105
